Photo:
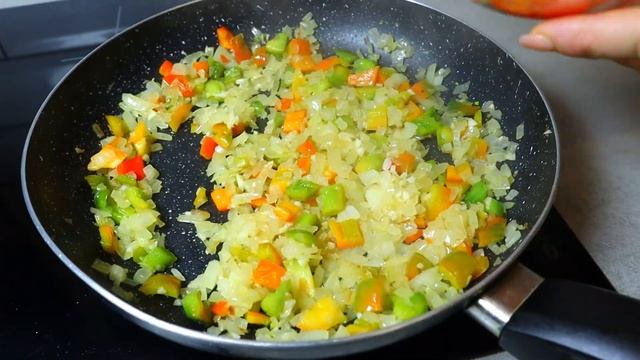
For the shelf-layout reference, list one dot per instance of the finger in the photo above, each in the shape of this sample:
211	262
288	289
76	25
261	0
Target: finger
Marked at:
614	34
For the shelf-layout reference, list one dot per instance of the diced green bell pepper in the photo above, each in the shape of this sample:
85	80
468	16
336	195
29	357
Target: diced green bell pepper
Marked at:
405	309
302	236
302	190
477	193
347	57
118	213
158	259
307	219
213	90
366	92
428	123
126	180
278	44
302	283
338	76
136	198
278	120
369	162
444	135
465	108
101	196
195	308
216	69
95	180
494	207
273	304
362	64
232	74
258	109
331	200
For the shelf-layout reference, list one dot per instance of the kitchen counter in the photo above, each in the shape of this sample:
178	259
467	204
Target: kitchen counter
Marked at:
595	104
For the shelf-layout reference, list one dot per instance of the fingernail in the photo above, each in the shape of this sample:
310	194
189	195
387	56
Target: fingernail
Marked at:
536	42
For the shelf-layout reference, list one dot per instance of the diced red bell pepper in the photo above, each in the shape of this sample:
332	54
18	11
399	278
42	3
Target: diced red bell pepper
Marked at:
134	165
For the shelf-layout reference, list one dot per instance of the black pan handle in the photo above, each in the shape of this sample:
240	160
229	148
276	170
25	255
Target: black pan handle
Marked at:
558	319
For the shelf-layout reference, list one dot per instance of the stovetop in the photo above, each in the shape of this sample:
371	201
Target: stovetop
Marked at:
46	312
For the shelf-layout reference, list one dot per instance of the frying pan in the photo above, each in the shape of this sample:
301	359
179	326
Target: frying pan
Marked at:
534	318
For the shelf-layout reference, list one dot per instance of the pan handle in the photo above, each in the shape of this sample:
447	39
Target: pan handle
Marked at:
557	319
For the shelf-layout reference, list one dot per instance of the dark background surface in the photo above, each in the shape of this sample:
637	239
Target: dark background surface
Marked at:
45	311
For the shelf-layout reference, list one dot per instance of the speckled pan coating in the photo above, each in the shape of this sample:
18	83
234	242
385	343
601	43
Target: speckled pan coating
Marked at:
59	198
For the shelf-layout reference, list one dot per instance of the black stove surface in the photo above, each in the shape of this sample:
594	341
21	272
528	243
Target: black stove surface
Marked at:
46	312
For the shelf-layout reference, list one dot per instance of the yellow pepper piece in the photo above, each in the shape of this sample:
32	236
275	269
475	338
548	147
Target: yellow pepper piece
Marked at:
179	116
256	318
108	238
138	138
416	265
109	157
360	327
222	135
201	197
377	118
370	295
457	268
161	284
492	232
439	200
347	234
482	264
116	125
323	315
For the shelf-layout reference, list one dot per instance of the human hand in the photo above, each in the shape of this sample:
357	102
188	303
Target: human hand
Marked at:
614	34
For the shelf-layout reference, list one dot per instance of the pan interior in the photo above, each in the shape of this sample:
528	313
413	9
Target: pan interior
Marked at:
54	172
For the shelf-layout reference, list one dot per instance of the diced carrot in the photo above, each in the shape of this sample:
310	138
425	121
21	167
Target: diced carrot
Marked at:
268	274
419	90
284	104
304	163
224	59
179	116
238	129
224	37
481	149
240	49
308	147
256	318
260	56
221	308
303	63
414	111
202	68
365	78
405	162
222	199
404	86
413	237
207	147
257	202
165	68
295	121
328	63
287	211
299	47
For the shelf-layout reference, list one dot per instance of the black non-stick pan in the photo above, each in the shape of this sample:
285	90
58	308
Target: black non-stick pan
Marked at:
532	317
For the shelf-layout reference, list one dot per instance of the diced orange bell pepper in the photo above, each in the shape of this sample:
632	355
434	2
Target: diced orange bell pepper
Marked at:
221	308
222	199
179	116
304	163
417	264
482	148
370	295
240	49
201	68
330	175
238	129
295	121
308	148
453	175
299	47
420	91
405	163
411	238
347	234
283	104
482	265
224	37
328	63
108	238
165	68
207	147
414	111
257	202
268	274
421	221
404	86
287	211
439	200
364	78
457	268
224	59
181	83
304	63
260	56
465	246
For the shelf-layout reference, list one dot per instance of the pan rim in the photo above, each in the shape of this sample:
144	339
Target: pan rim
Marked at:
159	326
